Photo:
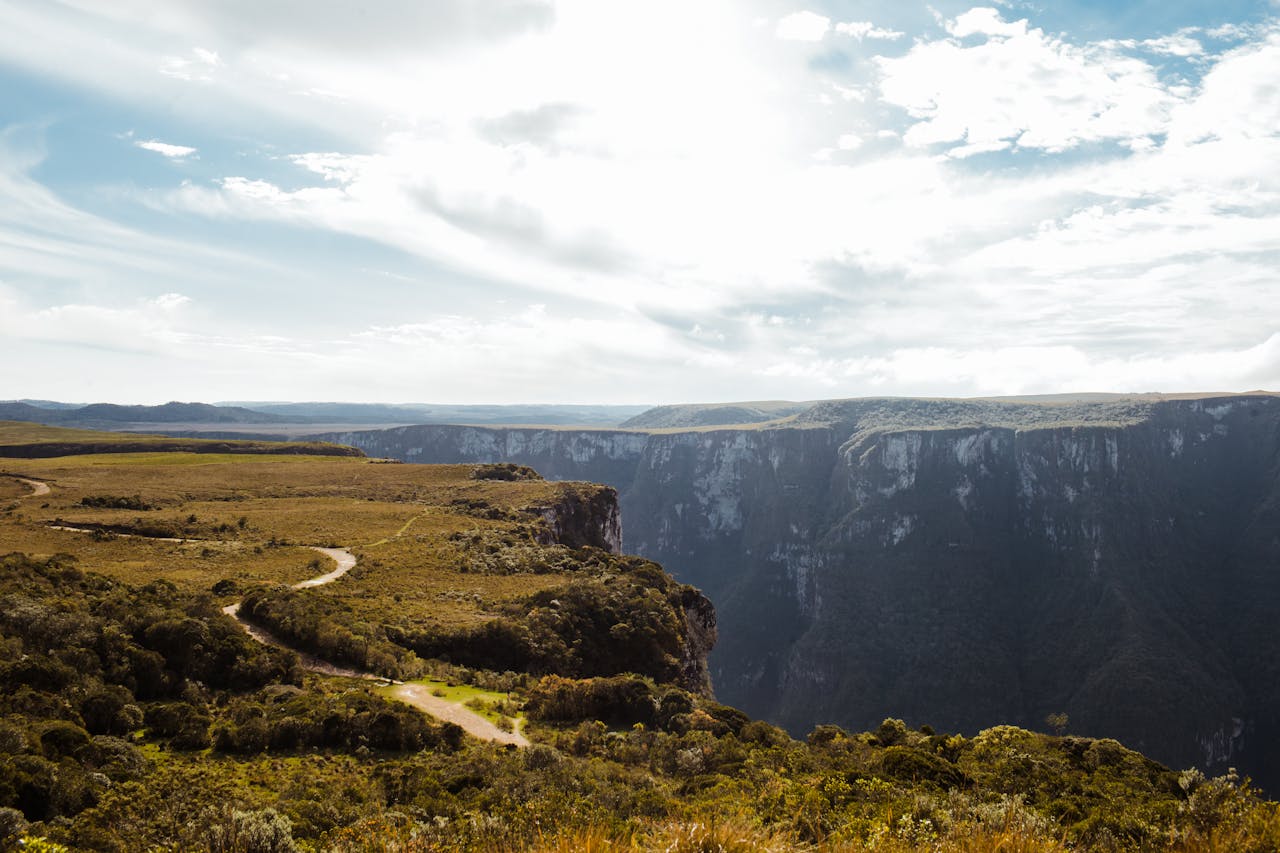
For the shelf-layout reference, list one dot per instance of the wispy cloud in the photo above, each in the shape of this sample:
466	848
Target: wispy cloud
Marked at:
1020	87
866	30
803	26
785	205
173	152
199	65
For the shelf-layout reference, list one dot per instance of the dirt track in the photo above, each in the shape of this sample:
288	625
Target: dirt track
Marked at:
38	489
417	695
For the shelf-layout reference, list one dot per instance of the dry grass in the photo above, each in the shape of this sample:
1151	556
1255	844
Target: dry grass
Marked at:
21	432
397	519
11	488
740	835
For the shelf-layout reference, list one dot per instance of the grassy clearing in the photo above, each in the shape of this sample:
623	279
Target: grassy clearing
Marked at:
22	432
252	513
27	440
11	488
495	706
195	566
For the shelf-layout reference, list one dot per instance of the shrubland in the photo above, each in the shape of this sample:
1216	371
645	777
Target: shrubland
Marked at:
136	715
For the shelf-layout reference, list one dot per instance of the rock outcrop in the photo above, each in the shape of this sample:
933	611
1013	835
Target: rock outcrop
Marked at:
964	563
578	519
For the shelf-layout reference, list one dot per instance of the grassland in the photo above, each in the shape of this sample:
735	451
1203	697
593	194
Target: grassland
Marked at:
247	519
19	439
496	706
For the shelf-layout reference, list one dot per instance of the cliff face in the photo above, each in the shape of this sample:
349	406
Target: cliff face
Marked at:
965	565
1120	574
598	456
581	518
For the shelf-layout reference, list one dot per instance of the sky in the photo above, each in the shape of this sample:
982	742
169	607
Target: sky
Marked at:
522	201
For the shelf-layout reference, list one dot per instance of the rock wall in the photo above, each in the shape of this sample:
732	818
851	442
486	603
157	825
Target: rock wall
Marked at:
962	565
580	518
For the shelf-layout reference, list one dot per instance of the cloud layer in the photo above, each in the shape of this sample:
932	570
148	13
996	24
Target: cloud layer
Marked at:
523	201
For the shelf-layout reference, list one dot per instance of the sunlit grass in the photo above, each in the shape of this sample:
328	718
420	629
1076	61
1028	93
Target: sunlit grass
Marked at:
250	513
487	703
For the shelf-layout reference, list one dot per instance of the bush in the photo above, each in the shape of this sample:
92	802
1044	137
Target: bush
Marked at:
504	471
264	831
116	502
623	700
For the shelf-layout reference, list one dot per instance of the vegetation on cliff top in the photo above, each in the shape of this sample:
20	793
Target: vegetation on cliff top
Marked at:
142	718
22	440
135	715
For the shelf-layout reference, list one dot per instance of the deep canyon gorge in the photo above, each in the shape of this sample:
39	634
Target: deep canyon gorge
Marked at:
960	563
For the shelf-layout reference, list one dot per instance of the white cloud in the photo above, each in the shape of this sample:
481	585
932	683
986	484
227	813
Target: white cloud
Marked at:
1021	87
1181	44
962	152
198	66
1178	44
146	325
173	152
646	199
987	21
867	30
1238	97
803	26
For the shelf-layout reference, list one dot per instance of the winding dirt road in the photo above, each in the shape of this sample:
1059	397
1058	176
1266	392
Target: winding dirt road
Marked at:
346	561
416	695
420	697
38	489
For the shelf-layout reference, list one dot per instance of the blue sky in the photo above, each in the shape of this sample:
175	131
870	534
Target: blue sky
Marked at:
524	201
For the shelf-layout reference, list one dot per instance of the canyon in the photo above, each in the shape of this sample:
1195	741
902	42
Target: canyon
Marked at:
961	563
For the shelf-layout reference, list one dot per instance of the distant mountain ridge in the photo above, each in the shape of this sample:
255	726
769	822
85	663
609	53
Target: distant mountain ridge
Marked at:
111	413
191	416
726	414
442	413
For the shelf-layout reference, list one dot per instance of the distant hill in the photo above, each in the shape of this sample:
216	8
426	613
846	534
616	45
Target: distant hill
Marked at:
435	413
713	414
108	414
172	413
15	410
45	404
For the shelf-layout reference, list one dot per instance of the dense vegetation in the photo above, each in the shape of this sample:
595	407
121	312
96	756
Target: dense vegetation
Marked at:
141	716
135	715
620	614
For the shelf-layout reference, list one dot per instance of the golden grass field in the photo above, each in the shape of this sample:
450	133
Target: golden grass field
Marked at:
249	518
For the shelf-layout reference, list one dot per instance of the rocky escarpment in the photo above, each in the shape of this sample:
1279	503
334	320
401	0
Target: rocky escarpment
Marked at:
577	519
700	636
965	563
598	456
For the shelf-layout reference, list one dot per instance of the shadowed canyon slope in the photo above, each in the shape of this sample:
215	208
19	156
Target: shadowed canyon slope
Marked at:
963	563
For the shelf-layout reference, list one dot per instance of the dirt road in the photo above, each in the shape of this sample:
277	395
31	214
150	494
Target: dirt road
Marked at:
38	489
417	695
420	697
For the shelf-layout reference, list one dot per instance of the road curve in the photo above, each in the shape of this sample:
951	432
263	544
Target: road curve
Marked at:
38	489
416	695
346	562
420	697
